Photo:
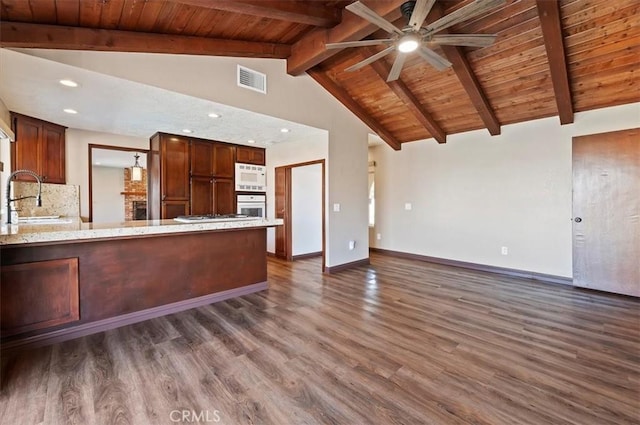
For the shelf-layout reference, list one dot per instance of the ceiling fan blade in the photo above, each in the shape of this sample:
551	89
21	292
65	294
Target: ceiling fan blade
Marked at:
420	12
396	69
462	14
437	61
471	40
371	59
365	13
362	43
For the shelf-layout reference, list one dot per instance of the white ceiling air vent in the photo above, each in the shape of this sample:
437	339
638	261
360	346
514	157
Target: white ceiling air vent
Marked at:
253	80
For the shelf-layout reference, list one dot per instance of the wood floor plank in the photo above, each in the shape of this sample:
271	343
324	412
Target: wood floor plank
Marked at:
396	342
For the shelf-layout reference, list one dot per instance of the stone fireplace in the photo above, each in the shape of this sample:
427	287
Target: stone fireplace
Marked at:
135	197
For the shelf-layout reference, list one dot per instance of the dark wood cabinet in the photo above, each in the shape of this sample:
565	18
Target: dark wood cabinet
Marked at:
168	176
224	196
224	159
39	295
249	155
212	170
202	195
192	176
39	147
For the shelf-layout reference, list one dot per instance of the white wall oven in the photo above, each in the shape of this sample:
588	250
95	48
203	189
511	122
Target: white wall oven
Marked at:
251	178
252	205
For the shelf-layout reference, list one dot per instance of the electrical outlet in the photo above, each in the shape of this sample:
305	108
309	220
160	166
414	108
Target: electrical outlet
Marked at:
408	206
352	245
378	236
504	250
336	207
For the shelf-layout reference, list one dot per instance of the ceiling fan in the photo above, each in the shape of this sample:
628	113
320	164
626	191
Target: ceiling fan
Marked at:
415	36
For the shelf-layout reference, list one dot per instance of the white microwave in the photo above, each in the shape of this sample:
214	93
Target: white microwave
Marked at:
251	178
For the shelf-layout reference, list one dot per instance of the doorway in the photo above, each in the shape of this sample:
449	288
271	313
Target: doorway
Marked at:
115	193
606	211
300	203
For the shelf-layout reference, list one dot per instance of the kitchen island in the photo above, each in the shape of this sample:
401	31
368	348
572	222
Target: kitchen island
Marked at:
63	281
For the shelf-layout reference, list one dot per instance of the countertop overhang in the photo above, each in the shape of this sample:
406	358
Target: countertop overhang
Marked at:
78	231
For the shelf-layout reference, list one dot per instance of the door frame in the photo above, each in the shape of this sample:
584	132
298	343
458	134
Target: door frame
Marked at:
90	165
287	204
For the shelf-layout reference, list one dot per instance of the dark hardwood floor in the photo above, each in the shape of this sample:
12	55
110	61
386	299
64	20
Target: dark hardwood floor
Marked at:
397	342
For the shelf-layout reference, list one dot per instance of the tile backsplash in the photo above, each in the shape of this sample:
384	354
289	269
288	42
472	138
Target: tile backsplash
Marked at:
57	199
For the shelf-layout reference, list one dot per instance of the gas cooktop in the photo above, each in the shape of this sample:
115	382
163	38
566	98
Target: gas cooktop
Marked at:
213	218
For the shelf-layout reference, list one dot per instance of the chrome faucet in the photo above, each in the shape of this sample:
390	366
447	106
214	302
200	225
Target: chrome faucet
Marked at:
9	200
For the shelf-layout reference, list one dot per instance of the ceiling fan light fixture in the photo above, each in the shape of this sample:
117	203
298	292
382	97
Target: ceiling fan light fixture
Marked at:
408	43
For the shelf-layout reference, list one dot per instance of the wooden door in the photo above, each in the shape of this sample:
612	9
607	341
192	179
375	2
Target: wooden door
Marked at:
283	208
201	195
26	150
224	196
52	159
606	210
224	160
175	168
201	158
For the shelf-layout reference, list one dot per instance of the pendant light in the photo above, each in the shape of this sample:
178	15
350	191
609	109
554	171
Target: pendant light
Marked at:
136	170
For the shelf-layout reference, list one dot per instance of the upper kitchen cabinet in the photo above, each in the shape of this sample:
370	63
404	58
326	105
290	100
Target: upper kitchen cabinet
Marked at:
212	159
224	158
249	155
168	176
39	147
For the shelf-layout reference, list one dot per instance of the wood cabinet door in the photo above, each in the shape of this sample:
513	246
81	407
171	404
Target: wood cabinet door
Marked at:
52	157
224	196
201	158
249	155
224	160
201	195
173	209
175	168
26	149
39	295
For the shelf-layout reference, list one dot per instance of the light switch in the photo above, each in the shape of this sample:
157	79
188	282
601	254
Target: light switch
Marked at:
407	206
336	207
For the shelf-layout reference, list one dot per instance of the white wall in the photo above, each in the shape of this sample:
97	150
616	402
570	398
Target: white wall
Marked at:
298	99
108	202
478	193
77	157
286	154
306	209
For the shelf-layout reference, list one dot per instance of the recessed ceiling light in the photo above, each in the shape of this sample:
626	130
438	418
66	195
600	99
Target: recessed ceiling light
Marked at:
251	141
68	83
285	130
214	115
186	130
70	111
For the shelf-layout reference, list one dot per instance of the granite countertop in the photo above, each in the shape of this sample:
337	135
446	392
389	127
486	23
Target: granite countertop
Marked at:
76	230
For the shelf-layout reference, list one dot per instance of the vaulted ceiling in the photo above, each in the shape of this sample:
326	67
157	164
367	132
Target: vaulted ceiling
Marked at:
549	58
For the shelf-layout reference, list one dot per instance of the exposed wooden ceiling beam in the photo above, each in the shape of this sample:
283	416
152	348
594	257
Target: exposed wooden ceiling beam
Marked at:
339	93
549	12
310	50
465	74
404	93
14	34
468	79
302	12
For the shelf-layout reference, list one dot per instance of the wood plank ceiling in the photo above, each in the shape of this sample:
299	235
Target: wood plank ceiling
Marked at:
550	57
